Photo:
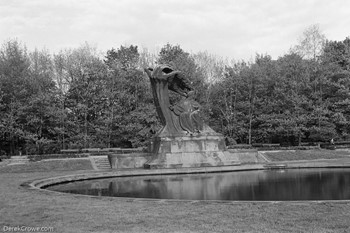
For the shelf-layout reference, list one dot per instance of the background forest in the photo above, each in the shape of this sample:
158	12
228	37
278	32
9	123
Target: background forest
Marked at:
79	98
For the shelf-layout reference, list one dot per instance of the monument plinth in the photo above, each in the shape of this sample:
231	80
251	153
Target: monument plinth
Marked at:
185	140
190	151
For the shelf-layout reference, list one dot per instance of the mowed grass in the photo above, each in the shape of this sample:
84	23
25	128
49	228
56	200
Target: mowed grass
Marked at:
20	206
306	155
76	213
49	165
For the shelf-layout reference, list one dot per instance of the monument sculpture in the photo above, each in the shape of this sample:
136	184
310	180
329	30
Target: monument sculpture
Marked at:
184	140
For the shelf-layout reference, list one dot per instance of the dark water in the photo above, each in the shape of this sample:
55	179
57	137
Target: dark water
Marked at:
293	184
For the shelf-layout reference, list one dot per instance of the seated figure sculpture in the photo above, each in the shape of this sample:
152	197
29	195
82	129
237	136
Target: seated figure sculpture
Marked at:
189	112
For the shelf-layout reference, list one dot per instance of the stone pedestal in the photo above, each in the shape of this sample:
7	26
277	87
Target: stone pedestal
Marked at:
190	151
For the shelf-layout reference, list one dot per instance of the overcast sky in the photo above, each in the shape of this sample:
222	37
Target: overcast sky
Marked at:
236	29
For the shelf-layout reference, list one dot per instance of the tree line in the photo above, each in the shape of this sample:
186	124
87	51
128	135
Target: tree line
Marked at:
78	98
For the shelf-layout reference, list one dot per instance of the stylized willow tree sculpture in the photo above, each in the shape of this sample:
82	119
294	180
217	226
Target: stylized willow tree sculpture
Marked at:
182	118
184	140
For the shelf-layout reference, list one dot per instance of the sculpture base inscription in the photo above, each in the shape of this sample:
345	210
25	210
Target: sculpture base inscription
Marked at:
190	151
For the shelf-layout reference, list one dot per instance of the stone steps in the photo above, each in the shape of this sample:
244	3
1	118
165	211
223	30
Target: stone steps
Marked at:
18	160
101	162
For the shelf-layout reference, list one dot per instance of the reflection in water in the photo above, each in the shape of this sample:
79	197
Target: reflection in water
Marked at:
302	184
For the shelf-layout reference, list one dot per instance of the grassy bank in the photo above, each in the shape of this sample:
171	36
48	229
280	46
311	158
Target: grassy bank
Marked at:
20	206
73	213
49	165
306	155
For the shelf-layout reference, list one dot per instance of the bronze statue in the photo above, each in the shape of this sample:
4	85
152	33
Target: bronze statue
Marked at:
182	118
184	140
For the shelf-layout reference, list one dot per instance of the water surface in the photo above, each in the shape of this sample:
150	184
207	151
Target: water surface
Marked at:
267	185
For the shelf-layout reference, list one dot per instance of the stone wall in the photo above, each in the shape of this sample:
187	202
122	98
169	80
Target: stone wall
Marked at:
137	160
127	161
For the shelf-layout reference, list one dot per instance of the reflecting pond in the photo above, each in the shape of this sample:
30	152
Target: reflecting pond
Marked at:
267	185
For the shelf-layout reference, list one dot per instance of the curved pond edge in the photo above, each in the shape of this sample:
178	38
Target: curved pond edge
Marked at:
41	184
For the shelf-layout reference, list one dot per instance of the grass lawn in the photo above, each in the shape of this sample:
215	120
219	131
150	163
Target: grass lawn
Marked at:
20	206
306	155
49	165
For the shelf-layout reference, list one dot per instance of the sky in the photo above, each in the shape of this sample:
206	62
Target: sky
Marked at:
233	29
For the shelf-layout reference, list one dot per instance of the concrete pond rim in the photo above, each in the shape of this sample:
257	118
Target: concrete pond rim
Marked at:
41	184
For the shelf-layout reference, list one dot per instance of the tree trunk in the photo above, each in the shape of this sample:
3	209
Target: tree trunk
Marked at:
251	103
85	129
250	129
12	144
110	127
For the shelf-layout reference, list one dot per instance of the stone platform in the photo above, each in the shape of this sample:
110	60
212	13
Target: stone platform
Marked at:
190	151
